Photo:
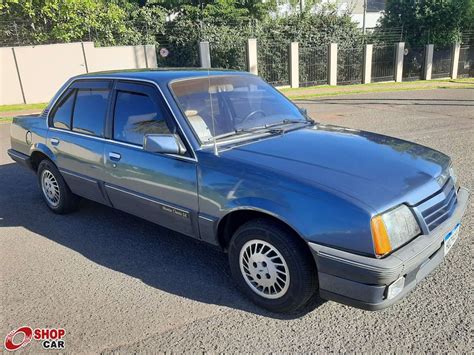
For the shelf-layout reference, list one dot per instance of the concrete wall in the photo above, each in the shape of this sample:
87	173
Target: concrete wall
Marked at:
10	88
39	71
43	69
122	57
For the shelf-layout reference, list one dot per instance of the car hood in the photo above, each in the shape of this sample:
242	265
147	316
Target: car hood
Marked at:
377	170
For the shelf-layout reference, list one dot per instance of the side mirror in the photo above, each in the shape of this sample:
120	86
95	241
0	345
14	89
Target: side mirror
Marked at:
163	143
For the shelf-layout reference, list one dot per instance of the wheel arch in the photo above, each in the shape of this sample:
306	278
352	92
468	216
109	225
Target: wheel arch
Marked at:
231	221
38	153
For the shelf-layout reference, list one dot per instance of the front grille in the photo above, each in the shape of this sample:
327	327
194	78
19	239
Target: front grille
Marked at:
440	207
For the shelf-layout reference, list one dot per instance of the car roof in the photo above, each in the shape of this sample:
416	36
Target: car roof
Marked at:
161	75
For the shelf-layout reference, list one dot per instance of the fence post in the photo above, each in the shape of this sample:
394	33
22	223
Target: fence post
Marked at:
150	56
367	74
294	65
332	64
455	60
252	56
204	54
399	55
428	67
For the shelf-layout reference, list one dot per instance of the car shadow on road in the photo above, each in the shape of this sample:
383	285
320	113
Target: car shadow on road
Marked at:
159	257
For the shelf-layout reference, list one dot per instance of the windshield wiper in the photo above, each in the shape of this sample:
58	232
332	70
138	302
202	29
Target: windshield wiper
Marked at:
235	132
281	123
254	129
266	126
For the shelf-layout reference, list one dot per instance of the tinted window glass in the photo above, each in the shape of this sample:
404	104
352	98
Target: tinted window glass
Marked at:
62	114
219	105
89	111
136	115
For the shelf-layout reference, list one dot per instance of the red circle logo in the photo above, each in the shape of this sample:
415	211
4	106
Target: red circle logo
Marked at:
27	335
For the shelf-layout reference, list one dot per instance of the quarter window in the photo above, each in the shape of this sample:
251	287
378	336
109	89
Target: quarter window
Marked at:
63	112
137	115
89	111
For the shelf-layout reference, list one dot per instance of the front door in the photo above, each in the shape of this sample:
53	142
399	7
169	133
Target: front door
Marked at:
158	187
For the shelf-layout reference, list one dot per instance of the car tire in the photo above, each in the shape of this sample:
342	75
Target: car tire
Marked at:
55	192
272	266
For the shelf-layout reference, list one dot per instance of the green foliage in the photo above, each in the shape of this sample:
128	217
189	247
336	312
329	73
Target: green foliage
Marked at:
439	22
222	24
147	23
313	29
314	32
226	24
46	21
256	9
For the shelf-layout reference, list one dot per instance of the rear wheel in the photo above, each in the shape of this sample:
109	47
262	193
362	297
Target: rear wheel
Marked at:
55	192
272	266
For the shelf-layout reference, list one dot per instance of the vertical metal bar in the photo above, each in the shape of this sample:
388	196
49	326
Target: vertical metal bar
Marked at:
85	58
19	76
364	15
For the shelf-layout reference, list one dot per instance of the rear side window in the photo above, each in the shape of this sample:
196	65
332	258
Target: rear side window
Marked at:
89	111
136	115
63	112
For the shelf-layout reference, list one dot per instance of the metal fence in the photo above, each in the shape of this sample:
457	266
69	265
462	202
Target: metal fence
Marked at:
413	63
380	36
383	63
441	67
349	65
177	54
273	63
313	65
466	61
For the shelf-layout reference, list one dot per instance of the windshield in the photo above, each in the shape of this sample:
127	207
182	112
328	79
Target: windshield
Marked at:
239	104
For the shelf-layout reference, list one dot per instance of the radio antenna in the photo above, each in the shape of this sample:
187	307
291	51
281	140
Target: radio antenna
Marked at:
216	152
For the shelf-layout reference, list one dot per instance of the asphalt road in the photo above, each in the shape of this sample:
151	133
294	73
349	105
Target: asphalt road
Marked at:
118	283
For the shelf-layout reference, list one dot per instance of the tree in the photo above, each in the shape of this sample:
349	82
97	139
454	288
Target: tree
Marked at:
51	21
439	22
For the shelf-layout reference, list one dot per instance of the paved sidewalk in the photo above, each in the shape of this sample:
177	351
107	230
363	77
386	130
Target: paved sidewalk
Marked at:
325	90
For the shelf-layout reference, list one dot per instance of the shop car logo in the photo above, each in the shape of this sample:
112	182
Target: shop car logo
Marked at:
27	333
51	338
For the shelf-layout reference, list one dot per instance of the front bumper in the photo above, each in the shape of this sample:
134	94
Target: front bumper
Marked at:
362	281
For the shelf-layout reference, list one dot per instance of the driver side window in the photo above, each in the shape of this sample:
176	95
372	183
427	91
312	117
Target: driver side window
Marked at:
137	115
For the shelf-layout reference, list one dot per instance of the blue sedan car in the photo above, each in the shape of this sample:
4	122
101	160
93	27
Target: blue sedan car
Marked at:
300	207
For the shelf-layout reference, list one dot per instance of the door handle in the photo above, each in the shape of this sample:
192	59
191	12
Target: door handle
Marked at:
54	141
114	156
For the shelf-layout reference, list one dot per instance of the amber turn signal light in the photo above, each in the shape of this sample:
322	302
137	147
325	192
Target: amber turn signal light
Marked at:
379	234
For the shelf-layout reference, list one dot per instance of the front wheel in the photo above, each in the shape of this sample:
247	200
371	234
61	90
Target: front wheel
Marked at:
272	266
54	189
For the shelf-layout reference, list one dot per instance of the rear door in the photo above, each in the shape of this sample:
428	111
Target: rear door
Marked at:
161	188
76	135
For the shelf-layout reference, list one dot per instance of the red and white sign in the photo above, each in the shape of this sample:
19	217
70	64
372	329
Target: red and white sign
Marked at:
164	52
51	338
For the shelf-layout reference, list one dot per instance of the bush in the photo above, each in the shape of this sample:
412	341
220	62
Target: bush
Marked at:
429	21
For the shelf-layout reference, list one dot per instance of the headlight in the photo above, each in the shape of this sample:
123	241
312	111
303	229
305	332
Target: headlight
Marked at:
392	229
